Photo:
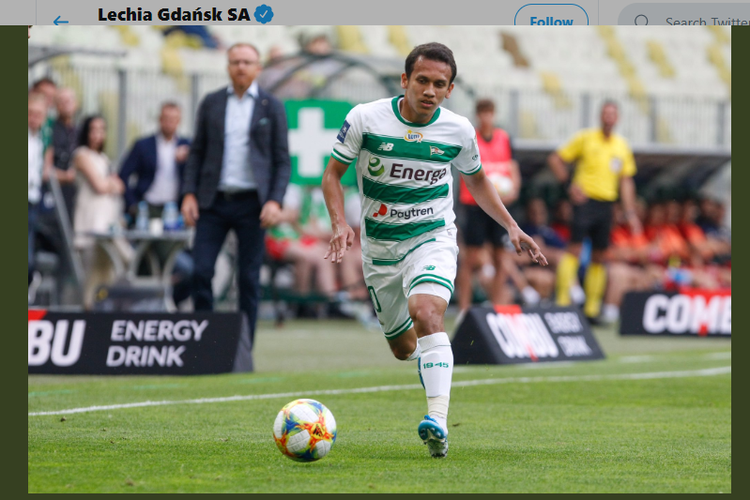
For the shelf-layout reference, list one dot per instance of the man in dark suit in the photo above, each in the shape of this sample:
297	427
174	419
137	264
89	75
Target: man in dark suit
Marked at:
235	178
157	162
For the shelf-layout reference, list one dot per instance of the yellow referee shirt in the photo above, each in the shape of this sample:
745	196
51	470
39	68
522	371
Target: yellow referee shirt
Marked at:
600	162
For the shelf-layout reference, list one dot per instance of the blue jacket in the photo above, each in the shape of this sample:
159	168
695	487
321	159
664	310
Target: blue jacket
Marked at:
141	161
269	149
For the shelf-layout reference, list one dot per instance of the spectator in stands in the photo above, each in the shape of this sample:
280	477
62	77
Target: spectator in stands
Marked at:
37	114
153	169
64	137
604	169
98	203
152	172
48	88
632	263
64	142
535	225
478	228
287	242
562	218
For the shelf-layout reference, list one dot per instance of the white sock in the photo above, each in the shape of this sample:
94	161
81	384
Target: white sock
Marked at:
577	295
610	313
415	355
436	366
530	296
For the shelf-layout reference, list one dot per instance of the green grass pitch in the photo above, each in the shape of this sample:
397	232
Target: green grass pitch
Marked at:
655	416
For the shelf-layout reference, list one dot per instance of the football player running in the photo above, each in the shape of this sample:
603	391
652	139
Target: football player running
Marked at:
403	149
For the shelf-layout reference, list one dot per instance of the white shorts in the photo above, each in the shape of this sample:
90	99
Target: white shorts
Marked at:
429	269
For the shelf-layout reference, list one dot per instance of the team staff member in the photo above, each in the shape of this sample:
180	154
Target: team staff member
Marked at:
235	177
604	168
477	227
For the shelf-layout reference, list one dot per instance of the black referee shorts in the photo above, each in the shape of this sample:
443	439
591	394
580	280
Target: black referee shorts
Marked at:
592	219
477	227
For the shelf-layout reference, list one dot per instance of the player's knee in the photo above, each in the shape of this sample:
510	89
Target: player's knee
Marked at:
402	351
426	317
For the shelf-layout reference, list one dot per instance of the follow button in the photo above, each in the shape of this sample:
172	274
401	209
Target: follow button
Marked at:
551	14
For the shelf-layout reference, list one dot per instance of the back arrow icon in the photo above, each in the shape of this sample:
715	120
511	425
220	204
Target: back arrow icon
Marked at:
58	22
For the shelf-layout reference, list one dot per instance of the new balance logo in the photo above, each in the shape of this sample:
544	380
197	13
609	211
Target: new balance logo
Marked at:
385	146
429	268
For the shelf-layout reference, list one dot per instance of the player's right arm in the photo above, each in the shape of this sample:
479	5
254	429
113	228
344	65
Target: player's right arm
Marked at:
333	192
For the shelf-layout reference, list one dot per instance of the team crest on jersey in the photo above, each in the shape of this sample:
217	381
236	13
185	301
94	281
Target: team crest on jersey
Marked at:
375	167
434	150
412	136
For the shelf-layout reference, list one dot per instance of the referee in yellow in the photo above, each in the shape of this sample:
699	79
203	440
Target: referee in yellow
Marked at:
604	169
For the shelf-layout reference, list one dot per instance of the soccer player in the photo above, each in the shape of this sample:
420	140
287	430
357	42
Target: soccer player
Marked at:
604	168
403	149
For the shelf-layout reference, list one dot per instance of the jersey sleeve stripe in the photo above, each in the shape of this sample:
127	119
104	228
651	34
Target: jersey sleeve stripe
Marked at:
339	157
399	232
475	171
398	194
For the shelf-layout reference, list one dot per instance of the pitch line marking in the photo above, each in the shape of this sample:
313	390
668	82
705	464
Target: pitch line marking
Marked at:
384	388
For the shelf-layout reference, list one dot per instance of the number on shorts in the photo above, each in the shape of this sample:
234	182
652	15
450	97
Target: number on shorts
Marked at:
374	298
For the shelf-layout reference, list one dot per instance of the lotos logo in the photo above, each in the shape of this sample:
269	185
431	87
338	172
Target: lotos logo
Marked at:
434	150
373	167
413	136
382	211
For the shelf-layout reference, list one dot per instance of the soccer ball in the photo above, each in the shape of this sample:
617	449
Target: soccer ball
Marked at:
504	185
304	430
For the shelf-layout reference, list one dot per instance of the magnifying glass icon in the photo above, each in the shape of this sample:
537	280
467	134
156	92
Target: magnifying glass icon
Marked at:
641	20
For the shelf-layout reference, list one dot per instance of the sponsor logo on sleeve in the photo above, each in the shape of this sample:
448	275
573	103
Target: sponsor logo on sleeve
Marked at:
342	133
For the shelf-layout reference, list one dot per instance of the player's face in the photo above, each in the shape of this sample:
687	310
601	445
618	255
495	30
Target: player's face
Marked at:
425	89
243	65
609	117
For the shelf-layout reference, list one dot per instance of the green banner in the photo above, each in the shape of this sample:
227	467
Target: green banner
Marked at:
313	126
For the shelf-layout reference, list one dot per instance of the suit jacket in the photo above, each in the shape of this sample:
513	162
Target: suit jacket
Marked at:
142	161
269	149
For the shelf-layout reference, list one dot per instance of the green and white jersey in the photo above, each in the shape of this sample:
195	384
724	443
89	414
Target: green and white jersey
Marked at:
404	174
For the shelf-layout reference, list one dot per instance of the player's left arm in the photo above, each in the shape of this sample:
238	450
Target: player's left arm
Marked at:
489	200
333	192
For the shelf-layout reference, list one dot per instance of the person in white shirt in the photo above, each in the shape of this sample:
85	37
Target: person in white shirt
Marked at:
153	168
37	115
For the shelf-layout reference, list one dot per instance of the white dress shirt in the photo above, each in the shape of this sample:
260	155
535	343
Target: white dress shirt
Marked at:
166	185
36	163
236	174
